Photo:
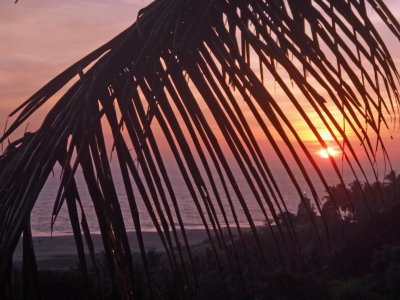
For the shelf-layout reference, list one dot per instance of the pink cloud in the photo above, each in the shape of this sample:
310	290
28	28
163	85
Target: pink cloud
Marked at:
42	38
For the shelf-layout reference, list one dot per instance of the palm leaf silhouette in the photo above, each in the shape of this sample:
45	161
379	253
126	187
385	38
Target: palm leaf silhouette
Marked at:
185	70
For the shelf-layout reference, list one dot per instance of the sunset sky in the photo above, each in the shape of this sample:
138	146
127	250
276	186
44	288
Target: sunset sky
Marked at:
39	39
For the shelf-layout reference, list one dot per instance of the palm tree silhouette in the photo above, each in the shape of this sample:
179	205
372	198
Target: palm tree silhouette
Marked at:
180	65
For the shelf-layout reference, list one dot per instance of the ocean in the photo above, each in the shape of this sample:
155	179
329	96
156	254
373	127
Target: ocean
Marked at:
41	214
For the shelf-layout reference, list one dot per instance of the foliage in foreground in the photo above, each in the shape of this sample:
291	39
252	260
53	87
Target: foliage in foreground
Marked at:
364	263
379	282
194	76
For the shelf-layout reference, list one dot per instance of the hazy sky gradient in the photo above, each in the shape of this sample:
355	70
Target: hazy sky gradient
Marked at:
40	38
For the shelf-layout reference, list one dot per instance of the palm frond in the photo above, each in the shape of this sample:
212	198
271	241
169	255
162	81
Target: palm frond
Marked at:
196	76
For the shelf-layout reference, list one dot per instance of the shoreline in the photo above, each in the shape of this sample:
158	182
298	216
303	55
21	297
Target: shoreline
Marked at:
59	252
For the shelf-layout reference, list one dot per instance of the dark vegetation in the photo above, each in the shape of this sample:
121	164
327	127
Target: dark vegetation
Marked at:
359	260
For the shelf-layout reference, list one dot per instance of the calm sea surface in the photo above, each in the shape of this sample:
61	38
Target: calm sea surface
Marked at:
41	214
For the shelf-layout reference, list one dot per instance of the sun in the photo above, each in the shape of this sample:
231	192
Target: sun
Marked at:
327	152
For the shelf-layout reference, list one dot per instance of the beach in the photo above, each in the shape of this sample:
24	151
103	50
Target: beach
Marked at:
59	252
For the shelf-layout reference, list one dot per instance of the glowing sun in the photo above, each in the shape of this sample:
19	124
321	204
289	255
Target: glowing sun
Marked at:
326	152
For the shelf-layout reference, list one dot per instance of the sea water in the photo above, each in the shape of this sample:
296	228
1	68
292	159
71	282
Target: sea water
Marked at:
42	212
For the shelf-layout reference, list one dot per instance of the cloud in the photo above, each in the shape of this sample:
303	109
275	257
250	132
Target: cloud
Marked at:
39	39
